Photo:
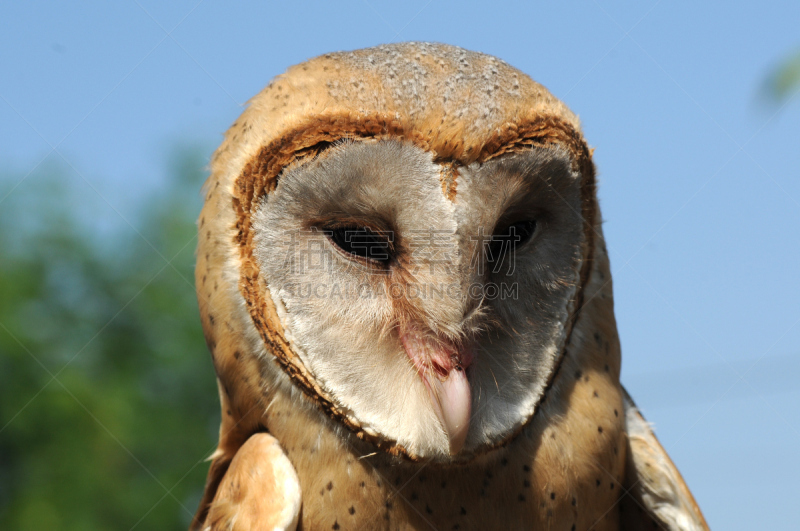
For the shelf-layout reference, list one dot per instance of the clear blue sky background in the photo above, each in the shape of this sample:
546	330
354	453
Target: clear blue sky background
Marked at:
699	177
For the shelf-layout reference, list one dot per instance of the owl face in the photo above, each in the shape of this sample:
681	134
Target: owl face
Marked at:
429	302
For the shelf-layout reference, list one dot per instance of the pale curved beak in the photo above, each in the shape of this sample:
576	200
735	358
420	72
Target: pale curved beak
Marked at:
452	401
443	369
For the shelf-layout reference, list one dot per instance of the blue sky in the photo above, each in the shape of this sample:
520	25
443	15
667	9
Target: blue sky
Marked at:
698	174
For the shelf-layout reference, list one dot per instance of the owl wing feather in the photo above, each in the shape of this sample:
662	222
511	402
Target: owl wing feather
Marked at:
260	490
656	496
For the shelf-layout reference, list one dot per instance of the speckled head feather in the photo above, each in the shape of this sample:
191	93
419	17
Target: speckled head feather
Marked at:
458	111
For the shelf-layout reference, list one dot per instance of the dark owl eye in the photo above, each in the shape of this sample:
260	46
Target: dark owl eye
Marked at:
362	242
511	237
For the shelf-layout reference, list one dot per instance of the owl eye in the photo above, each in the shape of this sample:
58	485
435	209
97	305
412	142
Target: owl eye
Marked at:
363	242
513	236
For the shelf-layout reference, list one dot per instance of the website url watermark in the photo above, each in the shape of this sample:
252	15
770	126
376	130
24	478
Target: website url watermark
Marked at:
398	291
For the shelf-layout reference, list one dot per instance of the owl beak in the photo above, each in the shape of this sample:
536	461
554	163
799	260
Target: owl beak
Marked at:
451	400
443	369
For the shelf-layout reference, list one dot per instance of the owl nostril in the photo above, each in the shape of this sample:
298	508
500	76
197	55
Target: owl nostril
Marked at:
439	369
437	355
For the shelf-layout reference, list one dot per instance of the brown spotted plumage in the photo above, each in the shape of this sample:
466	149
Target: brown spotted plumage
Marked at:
408	412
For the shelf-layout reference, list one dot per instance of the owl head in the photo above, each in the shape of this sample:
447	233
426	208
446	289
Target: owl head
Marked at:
400	239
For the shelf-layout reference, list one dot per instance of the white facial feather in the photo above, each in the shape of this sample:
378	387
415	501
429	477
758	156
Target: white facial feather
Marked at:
343	320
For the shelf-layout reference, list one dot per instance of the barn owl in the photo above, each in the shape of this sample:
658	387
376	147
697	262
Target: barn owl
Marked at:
406	293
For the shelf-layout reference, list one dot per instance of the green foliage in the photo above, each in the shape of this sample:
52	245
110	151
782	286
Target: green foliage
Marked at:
108	405
782	83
